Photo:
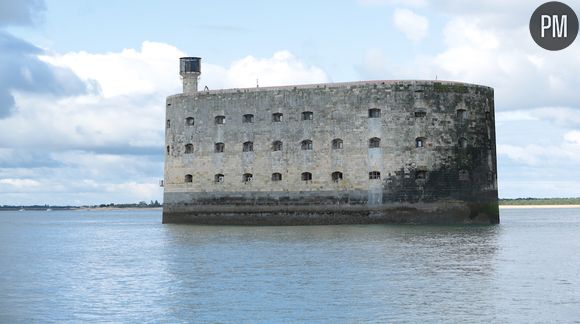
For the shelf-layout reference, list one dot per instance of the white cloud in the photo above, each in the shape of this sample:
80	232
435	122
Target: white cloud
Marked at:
464	32
561	154
536	100
19	183
523	75
107	145
573	137
510	116
567	117
150	69
128	114
143	190
414	26
375	64
530	154
283	68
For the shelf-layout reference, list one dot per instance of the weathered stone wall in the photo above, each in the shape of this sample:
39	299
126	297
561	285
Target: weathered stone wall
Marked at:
454	170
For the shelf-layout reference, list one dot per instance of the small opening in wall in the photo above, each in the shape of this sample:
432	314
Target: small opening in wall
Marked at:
336	176
219	178
306	145
168	150
336	144
248	147
168	123
374	142
248	118
461	115
373	175
219	147
188	148
420	142
189	121
420	175
276	176
277	117
247	177
307	115
188	178
277	146
420	113
374	113
219	120
306	176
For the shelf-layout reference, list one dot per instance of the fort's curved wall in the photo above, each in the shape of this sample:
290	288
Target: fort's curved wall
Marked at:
436	156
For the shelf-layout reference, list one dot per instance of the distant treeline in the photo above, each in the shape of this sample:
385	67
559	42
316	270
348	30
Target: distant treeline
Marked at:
540	201
141	204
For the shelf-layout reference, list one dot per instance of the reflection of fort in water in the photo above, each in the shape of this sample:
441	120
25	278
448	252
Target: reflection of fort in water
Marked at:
358	152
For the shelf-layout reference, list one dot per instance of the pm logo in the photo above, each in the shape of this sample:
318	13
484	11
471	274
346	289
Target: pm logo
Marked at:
554	26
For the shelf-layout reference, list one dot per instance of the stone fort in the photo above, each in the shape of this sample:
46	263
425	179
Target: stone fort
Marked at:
335	153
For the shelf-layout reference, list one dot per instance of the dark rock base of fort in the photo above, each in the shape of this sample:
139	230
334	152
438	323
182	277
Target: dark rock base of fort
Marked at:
443	212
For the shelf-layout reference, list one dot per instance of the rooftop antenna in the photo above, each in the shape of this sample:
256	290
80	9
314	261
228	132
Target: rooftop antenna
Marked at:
257	83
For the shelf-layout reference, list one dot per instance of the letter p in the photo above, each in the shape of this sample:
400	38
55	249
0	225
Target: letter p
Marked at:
546	23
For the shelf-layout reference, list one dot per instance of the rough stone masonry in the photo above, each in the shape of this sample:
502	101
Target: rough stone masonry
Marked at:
336	153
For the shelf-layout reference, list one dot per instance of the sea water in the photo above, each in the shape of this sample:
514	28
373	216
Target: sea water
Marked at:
125	266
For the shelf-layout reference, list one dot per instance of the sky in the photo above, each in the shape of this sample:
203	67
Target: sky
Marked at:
83	83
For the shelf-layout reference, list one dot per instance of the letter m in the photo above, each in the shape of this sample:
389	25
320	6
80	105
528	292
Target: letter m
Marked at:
560	28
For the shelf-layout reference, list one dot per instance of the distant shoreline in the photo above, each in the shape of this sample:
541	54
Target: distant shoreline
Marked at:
118	208
537	206
560	206
72	208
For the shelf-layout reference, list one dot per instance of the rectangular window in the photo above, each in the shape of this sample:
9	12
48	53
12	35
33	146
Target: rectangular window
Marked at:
219	147
374	175
374	113
277	117
248	147
248	118
247	177
462	115
219	120
219	178
277	146
276	177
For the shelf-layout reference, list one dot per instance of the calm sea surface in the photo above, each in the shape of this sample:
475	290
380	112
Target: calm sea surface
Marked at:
125	266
